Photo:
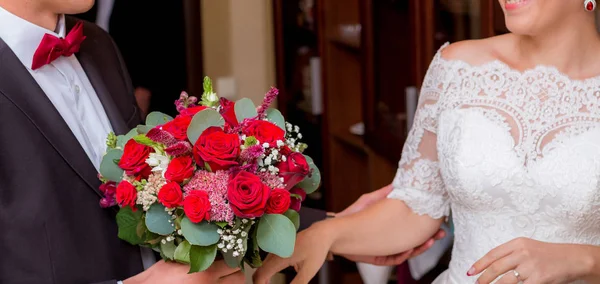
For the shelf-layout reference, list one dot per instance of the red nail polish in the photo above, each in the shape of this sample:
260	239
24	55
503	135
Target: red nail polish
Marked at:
471	271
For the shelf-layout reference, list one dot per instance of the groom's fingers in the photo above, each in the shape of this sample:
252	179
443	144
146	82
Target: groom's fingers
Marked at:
220	269
271	266
235	278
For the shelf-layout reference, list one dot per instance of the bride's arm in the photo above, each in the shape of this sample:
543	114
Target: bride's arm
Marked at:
413	212
386	228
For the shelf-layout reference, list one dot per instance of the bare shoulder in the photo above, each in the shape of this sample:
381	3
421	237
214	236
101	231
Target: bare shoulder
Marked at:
477	51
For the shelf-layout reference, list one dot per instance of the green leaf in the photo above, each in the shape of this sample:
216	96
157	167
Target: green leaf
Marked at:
142	139
202	234
201	258
276	234
294	217
122	139
158	220
157	118
108	169
276	117
182	253
244	108
127	222
203	120
252	256
222	225
168	249
230	260
143	129
207	166
311	183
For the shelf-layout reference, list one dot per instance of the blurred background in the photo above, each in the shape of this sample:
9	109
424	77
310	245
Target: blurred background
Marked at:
349	73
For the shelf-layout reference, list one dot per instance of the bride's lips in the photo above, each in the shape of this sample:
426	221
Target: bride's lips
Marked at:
511	5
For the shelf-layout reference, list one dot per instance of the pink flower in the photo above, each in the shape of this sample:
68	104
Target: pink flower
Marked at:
215	184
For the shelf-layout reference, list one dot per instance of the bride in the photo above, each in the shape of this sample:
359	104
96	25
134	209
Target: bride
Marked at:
507	138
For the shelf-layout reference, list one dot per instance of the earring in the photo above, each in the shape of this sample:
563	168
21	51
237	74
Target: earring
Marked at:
589	5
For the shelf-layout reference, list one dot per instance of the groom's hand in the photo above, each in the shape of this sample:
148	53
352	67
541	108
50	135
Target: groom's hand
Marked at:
367	200
169	272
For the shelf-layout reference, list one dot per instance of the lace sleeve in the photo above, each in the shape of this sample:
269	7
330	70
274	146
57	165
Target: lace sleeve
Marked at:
418	181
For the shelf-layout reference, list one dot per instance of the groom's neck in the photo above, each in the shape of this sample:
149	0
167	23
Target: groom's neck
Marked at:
33	12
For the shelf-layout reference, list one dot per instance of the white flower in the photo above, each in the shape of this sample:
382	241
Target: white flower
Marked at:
244	234
283	158
265	145
280	143
268	161
235	254
158	162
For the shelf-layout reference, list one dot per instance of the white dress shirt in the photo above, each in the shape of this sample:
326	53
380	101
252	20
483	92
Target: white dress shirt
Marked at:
63	81
67	86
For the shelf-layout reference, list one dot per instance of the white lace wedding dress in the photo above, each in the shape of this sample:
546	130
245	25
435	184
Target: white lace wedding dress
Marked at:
509	153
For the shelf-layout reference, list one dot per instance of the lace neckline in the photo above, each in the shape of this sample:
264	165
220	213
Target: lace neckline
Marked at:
500	65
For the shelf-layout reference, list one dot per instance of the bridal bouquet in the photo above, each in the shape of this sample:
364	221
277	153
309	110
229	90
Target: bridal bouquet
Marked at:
222	179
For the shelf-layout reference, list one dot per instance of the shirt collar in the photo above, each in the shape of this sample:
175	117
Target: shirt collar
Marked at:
24	37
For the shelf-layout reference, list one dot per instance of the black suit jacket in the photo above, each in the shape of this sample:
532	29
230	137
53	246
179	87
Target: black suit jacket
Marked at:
52	229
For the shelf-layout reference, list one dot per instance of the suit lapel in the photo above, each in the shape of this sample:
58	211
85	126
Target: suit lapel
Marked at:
17	84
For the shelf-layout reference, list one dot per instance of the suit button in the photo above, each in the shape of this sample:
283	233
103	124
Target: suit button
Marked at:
77	89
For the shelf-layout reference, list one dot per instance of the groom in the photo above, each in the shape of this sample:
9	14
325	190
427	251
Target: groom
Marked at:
63	88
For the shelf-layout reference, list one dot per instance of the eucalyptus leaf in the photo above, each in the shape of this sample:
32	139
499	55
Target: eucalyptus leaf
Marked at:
143	129
201	258
276	117
157	118
276	234
182	253
168	249
201	234
252	256
127	223
108	168
230	260
122	139
311	183
294	217
244	108
159	221
203	120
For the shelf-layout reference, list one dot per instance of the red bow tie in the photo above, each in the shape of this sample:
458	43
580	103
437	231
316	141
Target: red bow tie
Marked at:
53	47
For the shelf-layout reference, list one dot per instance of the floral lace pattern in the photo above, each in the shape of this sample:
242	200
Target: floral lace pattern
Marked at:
511	153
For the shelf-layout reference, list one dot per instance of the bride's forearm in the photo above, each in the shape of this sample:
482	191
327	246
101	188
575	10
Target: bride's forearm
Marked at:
594	264
385	228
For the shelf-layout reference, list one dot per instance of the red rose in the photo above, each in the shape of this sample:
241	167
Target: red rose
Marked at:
217	148
228	112
134	158
265	132
170	195
178	126
293	170
285	150
247	195
180	169
296	203
192	111
279	202
126	194
197	206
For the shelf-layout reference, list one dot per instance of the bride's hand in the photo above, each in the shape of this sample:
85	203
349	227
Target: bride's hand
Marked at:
309	255
400	258
534	262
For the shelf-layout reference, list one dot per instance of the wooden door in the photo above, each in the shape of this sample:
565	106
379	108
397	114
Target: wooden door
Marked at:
405	36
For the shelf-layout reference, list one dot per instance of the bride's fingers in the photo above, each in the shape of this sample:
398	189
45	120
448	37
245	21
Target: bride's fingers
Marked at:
271	266
508	278
499	267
